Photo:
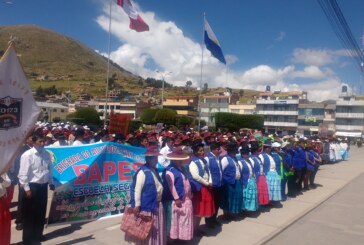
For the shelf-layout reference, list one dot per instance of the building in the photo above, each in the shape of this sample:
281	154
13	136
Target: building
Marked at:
183	105
50	111
280	110
117	107
349	115
310	118
245	109
327	129
210	104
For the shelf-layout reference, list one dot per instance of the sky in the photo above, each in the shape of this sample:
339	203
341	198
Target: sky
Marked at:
286	44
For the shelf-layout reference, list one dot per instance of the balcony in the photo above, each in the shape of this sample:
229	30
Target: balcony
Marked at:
281	124
316	117
277	102
350	127
215	105
349	115
286	113
350	103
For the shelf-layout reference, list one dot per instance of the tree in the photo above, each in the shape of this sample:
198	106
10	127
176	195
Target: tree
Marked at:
166	116
148	116
188	84
183	121
40	92
234	121
85	115
241	92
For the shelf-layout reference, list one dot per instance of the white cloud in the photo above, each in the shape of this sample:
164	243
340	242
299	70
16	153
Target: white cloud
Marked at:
318	57
166	46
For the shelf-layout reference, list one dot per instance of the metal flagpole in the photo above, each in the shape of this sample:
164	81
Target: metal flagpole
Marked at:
108	70
201	80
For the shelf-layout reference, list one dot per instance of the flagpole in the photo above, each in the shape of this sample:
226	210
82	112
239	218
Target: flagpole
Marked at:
108	69
201	78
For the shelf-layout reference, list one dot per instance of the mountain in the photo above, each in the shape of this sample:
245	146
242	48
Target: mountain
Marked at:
49	58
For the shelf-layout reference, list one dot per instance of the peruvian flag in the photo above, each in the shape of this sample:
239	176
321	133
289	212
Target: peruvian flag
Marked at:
136	22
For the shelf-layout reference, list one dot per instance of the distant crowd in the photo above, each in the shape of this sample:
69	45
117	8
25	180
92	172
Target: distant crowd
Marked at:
188	175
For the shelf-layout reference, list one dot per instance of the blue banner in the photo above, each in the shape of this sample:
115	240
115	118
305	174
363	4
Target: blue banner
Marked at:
92	181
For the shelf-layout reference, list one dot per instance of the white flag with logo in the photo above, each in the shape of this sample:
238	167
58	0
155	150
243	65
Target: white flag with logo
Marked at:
18	109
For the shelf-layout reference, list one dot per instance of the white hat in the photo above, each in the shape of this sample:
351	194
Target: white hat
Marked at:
276	144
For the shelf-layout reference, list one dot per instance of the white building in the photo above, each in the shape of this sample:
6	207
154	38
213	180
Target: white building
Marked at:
280	110
349	115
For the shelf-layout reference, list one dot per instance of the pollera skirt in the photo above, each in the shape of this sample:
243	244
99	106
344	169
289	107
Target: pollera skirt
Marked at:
263	195
232	197
274	186
203	203
250	196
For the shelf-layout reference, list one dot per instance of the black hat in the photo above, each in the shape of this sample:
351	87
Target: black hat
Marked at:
245	150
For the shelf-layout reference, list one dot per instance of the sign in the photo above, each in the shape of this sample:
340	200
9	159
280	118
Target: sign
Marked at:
280	102
119	123
159	127
18	110
310	119
92	181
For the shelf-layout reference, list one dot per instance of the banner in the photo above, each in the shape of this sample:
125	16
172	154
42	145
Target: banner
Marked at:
119	123
18	110
92	181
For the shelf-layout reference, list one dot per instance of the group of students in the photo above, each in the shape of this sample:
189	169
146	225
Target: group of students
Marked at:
179	186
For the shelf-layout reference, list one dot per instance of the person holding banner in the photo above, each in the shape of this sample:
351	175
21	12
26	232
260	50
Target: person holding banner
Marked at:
34	176
146	196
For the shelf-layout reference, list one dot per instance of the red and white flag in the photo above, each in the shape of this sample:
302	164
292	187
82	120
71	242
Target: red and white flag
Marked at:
136	22
18	109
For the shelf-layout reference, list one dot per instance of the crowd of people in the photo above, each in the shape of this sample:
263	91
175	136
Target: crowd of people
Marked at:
188	175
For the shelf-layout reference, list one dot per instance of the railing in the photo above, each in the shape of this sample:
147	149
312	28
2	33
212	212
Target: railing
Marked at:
281	124
349	115
350	127
288	113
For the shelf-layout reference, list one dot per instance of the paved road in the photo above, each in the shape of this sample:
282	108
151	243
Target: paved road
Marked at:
339	220
259	227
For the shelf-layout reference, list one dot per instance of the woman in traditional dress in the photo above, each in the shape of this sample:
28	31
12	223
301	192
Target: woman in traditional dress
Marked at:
270	171
200	179
250	194
146	196
177	197
232	191
262	186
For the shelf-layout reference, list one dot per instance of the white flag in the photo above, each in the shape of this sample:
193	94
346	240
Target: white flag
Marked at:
18	110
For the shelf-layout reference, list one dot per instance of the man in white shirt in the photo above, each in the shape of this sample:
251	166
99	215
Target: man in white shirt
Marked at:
34	176
165	151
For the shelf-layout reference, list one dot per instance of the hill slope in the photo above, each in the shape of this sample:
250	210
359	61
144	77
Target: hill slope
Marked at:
49	56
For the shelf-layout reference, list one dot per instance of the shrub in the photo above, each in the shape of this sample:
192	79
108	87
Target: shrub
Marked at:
234	121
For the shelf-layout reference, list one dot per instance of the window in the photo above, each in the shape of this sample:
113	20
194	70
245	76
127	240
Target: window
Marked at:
224	109
206	110
62	110
101	107
54	110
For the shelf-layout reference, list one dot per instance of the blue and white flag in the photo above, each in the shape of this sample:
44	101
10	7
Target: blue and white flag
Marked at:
213	44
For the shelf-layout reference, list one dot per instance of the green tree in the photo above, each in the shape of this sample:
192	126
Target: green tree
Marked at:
166	116
188	84
85	115
234	121
40	92
182	121
148	115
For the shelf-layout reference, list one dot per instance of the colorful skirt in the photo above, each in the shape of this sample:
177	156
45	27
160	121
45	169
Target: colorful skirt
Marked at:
250	196
179	220
158	233
232	198
203	203
274	186
345	155
263	195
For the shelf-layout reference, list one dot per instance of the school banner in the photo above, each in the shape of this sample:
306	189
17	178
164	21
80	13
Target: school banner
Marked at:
92	181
